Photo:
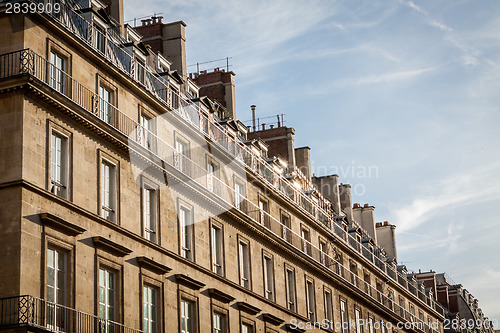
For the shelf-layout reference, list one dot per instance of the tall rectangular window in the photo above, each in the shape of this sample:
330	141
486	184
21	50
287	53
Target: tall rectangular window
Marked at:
328	305
150	212
187	316
244	261
268	278
146	130
100	38
306	242
186	232
290	289
56	287
311	313
108	191
219	321
264	210
59	164
57	69
343	316
150	309
106	100
181	148
107	294
246	328
357	317
213	175
323	252
239	193
217	250
370	324
286	232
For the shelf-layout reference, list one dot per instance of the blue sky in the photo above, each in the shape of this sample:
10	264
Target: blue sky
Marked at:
400	98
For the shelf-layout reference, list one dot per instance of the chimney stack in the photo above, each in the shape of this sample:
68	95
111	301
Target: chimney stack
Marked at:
328	186
254	126
346	200
303	160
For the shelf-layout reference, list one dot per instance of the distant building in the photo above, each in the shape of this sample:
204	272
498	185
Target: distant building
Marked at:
133	200
463	313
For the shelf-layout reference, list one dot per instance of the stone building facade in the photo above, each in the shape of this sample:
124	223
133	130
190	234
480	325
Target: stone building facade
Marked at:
131	203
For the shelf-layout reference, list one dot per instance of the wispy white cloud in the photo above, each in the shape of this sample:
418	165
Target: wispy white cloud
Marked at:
388	77
480	185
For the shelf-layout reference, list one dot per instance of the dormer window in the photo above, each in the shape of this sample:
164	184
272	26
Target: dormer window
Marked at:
99	35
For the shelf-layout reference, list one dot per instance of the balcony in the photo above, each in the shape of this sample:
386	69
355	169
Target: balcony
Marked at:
163	155
33	312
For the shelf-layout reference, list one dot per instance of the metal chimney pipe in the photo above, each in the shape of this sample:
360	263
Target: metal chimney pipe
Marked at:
253	117
279	121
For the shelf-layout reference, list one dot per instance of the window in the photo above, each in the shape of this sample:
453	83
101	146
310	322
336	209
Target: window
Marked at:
182	151
264	212
286	232
108	191
246	328
323	252
219	323
174	97
100	38
187	316
140	69
150	212
343	316
357	315
150	309
107	294
244	261
217	250
306	242
106	100
186	232
370	324
268	278
402	307
328	305
57	72
213	175
311	313
146	131
59	161
56	287
290	289
239	193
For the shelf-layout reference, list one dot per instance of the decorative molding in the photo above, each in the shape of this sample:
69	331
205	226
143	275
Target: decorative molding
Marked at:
272	319
61	225
189	282
152	265
250	309
220	296
107	245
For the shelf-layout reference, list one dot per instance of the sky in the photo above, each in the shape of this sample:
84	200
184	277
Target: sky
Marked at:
399	98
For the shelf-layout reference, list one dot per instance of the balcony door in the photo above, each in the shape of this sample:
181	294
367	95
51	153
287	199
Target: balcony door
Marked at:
56	289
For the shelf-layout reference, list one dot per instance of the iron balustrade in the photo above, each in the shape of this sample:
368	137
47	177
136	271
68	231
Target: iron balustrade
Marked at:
35	312
160	152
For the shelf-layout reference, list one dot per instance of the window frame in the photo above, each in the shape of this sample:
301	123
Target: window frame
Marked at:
114	163
344	315
306	242
358	317
268	277
188	226
240	203
293	290
241	267
286	228
328	303
193	301
220	227
56	130
147	186
224	314
310	299
53	47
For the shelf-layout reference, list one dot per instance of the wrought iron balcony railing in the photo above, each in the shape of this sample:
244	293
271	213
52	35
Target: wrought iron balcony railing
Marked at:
153	148
29	311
